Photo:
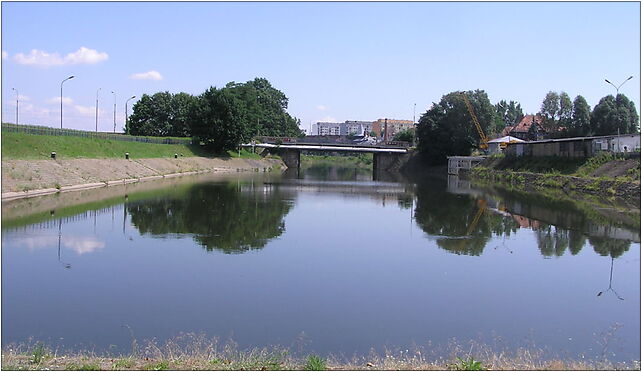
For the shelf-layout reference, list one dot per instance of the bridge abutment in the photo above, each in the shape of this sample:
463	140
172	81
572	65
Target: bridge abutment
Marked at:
386	162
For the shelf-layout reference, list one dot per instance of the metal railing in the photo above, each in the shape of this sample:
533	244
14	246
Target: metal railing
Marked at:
47	131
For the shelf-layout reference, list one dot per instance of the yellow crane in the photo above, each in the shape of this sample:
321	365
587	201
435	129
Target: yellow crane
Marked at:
483	143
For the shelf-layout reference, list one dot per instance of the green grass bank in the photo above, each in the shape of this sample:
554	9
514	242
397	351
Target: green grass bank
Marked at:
360	161
32	147
604	175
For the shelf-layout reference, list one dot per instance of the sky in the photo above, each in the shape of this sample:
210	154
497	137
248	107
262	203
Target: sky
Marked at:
335	61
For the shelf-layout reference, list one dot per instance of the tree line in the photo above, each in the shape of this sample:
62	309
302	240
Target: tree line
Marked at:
219	118
446	128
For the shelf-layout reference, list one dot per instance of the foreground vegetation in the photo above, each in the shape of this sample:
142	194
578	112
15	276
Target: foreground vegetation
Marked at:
192	352
32	147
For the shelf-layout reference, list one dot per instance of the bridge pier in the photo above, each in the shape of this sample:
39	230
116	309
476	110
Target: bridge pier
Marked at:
386	162
291	158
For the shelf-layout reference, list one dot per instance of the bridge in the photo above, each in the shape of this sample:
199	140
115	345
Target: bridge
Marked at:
387	156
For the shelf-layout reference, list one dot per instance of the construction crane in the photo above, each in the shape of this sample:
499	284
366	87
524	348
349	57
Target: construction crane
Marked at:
483	143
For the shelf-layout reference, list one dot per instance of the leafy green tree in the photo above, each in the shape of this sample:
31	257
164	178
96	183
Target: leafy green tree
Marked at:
405	135
613	114
268	107
609	247
510	113
162	114
220	120
447	128
566	110
550	110
580	124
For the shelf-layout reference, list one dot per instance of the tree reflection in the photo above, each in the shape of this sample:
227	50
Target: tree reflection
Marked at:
218	216
462	222
609	247
551	240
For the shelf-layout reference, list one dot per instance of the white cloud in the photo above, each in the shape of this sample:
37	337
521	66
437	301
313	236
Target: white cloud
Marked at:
321	107
41	58
82	245
85	110
149	75
65	100
5	55
328	119
85	56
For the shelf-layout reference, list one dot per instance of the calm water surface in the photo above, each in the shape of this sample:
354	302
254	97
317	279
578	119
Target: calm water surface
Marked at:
331	262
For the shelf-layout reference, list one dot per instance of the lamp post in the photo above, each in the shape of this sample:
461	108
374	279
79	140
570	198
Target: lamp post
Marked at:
126	118
414	110
114	93
617	88
17	98
97	109
69	78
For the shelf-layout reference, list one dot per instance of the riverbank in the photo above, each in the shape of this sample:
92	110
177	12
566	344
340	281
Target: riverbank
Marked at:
601	176
191	352
26	178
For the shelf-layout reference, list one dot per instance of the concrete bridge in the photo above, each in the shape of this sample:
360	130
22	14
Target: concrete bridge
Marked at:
387	156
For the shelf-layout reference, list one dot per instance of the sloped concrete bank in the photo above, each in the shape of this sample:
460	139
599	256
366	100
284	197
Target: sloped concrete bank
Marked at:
27	178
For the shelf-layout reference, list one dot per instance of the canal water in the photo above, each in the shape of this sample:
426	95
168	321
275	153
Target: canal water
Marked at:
328	261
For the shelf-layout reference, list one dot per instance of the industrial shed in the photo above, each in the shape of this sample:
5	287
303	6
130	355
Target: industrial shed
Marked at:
577	147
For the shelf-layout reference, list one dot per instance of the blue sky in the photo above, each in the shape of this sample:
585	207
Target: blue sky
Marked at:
334	61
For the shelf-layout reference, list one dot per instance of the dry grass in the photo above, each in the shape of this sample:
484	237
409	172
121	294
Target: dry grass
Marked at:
197	352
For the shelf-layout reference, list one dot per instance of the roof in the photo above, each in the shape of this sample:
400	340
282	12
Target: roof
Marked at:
525	124
583	138
506	139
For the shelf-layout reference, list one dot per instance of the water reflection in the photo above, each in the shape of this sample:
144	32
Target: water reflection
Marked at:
228	217
463	219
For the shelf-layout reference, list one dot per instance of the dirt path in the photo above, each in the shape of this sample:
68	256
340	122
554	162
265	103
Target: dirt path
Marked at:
28	175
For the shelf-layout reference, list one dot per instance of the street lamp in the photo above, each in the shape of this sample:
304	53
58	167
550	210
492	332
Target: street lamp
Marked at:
17	97
114	93
414	109
97	109
69	78
126	118
617	88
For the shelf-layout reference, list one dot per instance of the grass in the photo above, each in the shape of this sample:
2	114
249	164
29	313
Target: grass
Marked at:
359	161
197	352
32	147
315	363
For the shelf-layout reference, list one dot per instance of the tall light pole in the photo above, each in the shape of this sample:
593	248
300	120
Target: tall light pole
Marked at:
69	78
617	88
126	118
97	109
414	110
17	98
114	93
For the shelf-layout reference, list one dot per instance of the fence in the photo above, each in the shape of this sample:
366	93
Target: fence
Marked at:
47	131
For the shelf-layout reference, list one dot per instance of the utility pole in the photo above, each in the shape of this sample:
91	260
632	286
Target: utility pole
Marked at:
97	109
17	101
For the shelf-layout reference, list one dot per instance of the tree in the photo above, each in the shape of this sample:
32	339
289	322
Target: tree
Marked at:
220	120
447	128
405	135
510	113
162	114
580	124
614	114
566	110
550	110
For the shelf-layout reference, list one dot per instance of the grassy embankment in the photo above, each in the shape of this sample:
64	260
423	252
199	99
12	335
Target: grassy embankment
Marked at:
602	175
191	352
33	147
